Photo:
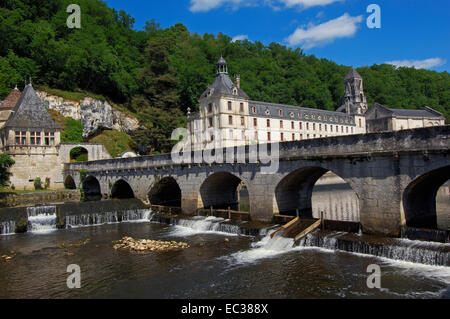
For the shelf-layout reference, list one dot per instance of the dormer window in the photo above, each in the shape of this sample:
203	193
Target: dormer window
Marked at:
267	112
280	112
235	91
254	109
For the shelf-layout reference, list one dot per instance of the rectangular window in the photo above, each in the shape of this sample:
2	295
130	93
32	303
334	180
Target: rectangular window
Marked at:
282	137
21	137
230	106
293	137
269	137
360	123
292	125
255	122
242	121
301	137
320	127
314	127
210	107
307	126
301	126
242	107
342	129
346	129
331	128
281	124
35	138
49	139
326	128
230	120
268	123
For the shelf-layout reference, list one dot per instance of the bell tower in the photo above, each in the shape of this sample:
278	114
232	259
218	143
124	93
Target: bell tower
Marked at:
354	99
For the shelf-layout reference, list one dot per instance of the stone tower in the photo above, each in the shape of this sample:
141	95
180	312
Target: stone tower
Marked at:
355	101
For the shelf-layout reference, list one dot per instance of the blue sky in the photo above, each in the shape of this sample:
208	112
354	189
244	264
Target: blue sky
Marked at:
413	32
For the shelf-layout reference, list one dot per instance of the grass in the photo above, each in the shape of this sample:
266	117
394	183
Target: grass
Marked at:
19	191
115	142
72	96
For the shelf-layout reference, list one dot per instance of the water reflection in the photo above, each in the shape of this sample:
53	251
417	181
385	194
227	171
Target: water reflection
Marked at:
443	207
336	199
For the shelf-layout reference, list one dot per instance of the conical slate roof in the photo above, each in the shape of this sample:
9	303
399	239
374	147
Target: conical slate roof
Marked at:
353	74
223	86
11	100
29	112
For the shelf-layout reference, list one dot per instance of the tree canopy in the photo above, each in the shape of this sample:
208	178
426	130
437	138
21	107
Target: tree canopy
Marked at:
158	73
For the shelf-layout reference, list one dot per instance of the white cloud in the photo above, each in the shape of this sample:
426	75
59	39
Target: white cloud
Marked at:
316	35
419	64
208	5
308	3
240	37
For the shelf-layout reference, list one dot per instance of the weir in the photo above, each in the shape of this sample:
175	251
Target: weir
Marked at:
41	219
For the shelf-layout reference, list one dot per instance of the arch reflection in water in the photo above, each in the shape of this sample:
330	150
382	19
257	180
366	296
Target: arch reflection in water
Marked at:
336	199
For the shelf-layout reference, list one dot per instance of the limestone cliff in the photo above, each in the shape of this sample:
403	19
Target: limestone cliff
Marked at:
94	114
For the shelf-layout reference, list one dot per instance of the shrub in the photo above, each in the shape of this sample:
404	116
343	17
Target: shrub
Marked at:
37	183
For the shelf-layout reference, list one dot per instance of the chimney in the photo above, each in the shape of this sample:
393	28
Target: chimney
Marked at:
238	81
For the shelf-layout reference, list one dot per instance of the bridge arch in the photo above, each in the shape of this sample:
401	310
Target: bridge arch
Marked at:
165	192
121	190
69	183
311	190
79	154
419	198
91	189
222	190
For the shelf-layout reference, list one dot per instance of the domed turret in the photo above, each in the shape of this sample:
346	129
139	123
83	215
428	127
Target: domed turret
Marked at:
222	66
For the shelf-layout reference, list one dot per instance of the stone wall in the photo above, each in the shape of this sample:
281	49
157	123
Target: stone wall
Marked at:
40	198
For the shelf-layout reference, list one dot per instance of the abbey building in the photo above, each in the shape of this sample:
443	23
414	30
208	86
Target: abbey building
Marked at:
228	117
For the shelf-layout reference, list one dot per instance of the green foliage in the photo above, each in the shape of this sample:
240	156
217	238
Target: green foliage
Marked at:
73	131
159	73
5	163
37	183
78	154
115	142
47	183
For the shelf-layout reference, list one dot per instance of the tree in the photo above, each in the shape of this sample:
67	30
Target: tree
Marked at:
5	163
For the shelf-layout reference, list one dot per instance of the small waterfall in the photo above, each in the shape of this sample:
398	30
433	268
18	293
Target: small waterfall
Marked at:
7	228
199	224
427	253
41	219
138	215
266	248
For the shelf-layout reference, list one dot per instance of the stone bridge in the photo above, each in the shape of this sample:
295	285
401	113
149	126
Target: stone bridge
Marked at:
396	176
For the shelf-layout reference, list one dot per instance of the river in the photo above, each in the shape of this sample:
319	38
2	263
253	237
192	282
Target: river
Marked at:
217	265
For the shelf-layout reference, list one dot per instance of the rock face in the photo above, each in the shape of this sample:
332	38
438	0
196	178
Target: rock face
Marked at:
94	114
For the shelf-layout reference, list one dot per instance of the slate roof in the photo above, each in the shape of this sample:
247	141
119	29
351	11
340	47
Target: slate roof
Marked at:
291	112
11	100
425	112
223	86
29	112
353	74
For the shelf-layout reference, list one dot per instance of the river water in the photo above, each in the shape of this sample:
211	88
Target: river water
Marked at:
217	265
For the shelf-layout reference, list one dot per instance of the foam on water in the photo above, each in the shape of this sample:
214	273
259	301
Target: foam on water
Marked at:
41	219
201	225
266	248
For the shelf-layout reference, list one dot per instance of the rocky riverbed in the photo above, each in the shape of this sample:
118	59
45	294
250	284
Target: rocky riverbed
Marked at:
147	245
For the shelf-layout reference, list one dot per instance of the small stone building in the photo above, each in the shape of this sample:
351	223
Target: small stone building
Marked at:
29	134
381	119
